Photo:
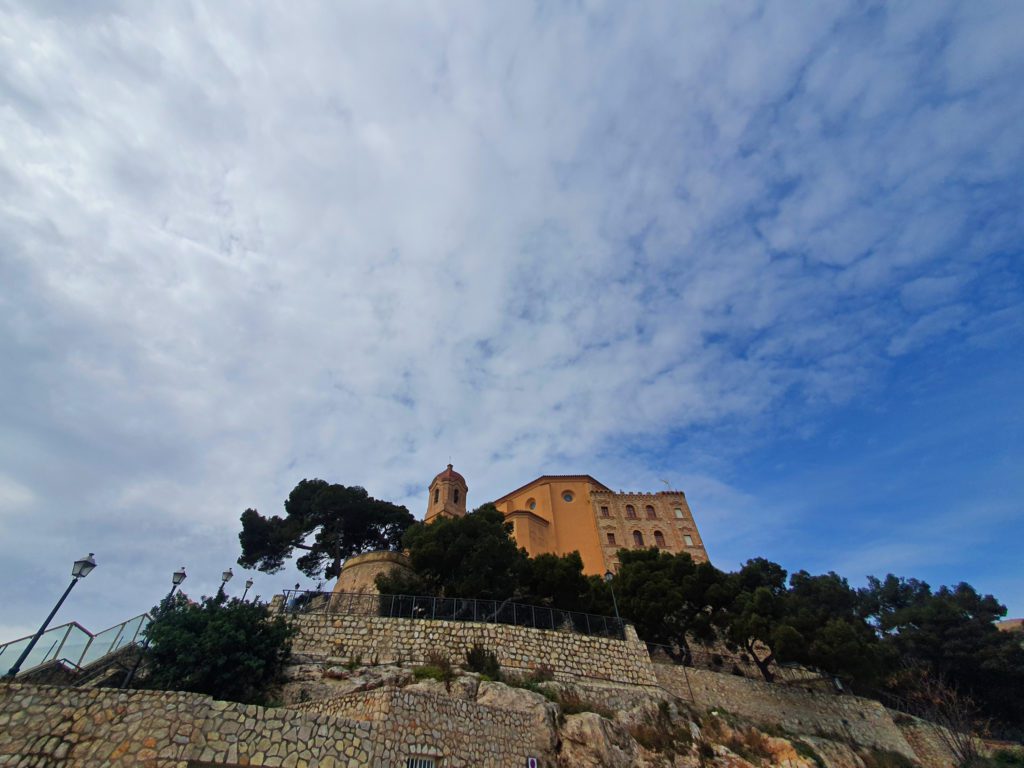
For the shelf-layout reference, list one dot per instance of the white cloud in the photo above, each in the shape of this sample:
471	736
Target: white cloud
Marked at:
239	247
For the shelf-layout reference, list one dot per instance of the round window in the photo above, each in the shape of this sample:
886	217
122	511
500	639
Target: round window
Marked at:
531	504
567	496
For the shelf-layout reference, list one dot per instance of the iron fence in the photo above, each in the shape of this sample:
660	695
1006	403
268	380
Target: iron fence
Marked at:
454	609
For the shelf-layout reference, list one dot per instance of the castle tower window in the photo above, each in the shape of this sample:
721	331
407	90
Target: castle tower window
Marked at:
651	514
688	539
611	539
659	539
630	512
437	494
679	513
638	538
456	495
604	512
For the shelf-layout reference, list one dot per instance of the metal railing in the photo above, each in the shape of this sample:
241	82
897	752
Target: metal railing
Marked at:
73	643
454	609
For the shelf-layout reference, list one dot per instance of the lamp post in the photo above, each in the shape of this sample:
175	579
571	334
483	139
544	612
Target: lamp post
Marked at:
608	576
225	577
82	568
176	578
248	586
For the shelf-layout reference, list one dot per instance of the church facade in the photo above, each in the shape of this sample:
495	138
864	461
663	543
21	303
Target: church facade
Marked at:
560	514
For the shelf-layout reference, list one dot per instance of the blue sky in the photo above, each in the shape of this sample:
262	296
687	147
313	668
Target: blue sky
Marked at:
770	255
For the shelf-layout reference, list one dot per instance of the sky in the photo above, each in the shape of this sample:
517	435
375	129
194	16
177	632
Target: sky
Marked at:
766	253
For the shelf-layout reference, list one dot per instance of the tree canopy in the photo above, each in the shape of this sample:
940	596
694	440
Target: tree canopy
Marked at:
229	649
329	522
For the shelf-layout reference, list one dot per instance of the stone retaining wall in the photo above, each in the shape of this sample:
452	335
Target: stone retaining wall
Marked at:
846	717
463	732
571	656
89	728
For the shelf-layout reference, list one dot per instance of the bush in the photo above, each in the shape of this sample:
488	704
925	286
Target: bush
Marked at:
438	667
228	649
483	661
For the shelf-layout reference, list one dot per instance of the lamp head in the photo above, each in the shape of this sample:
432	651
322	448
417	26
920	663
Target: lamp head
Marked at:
178	576
226	576
608	576
83	566
248	583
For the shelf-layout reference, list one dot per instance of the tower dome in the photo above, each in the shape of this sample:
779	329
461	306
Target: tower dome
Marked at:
447	497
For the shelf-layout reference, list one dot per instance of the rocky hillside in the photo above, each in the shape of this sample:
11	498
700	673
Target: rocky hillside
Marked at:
599	726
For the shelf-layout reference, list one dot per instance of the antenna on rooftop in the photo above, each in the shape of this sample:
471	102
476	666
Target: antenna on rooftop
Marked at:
668	485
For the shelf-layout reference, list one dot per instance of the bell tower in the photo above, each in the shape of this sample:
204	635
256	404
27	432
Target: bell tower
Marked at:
447	496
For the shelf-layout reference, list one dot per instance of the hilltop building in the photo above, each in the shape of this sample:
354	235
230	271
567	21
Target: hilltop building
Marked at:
559	514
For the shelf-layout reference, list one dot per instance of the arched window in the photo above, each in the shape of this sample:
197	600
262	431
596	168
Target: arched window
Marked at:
456	495
611	539
651	514
638	538
630	512
659	539
437	494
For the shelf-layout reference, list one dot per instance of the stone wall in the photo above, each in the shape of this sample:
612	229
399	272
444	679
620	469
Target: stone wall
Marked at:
571	656
359	573
87	728
925	740
846	717
462	732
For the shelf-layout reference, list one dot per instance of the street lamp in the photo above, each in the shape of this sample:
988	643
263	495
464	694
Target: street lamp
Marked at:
82	568
176	578
248	586
225	577
608	576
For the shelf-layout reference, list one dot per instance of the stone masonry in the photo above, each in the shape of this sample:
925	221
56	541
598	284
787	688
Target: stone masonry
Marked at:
571	656
862	721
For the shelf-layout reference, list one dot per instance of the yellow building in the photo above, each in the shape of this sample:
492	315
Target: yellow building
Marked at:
560	514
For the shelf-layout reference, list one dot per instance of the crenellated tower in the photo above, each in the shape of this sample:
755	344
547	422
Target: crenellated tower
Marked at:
447	496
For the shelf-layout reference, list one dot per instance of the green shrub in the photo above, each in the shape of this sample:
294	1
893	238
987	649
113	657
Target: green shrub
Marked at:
479	659
229	649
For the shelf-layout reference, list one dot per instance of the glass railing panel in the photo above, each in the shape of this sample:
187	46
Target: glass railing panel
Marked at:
10	653
100	646
45	649
131	632
74	645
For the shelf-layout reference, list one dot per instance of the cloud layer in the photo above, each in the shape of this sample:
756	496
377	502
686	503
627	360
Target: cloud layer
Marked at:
239	247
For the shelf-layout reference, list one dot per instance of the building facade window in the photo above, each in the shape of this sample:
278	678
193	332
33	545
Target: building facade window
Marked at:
437	494
659	539
638	538
531	504
567	496
688	539
630	512
604	512
651	514
679	513
456	495
611	539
